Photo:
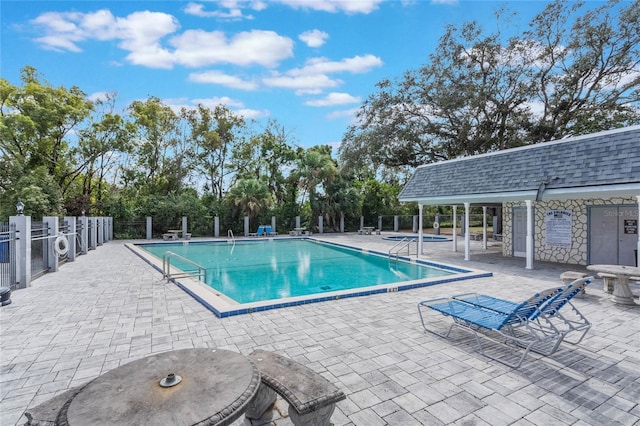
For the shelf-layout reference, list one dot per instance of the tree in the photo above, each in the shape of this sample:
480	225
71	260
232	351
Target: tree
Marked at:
587	75
160	150
483	92
249	196
101	144
218	140
36	125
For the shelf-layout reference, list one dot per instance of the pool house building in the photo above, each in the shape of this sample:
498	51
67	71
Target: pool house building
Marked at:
573	200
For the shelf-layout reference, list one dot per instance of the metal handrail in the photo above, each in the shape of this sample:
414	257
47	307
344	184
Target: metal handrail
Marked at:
403	243
166	267
233	240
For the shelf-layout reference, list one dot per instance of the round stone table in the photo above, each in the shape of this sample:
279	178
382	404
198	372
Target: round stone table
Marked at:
621	291
215	389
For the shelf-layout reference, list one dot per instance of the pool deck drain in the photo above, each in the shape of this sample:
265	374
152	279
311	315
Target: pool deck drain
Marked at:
109	308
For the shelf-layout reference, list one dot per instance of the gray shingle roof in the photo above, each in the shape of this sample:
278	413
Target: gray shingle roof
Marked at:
605	158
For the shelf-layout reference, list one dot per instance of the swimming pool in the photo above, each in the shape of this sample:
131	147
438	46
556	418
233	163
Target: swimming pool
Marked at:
265	274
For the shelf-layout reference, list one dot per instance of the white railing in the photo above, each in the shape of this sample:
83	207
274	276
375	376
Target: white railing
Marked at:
199	271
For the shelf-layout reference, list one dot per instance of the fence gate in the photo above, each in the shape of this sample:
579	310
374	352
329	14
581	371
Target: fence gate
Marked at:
8	250
39	252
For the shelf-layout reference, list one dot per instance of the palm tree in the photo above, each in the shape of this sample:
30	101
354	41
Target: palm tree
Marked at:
249	196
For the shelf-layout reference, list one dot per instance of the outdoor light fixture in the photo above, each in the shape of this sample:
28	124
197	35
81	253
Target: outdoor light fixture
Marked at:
20	208
82	212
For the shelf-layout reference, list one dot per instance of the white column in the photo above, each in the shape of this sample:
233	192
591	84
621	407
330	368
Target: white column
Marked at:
529	240
184	228
216	226
467	207
246	226
23	258
149	228
638	247
420	228
320	224
455	229
273	224
484	227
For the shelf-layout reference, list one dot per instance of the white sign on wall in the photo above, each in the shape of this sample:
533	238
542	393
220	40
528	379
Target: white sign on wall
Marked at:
558	228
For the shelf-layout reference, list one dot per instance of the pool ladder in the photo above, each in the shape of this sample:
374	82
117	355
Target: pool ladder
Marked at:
199	271
400	247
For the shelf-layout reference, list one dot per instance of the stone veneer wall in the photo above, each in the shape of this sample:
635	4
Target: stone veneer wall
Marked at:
577	254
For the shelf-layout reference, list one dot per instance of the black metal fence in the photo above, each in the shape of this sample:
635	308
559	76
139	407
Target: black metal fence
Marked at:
8	240
39	249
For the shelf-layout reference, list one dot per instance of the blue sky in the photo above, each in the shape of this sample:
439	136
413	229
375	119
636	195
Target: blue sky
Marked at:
308	64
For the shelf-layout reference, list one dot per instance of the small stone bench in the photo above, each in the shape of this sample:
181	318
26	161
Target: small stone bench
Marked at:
609	281
311	397
170	236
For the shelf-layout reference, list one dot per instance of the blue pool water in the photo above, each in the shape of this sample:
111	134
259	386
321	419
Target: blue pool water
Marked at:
262	270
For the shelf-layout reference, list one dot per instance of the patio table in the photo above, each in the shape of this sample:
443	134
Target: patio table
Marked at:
213	387
621	292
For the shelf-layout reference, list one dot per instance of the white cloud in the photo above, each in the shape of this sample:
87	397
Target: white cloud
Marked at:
195	48
218	77
233	13
141	34
334	6
237	107
334	98
314	38
347	113
444	1
355	65
303	84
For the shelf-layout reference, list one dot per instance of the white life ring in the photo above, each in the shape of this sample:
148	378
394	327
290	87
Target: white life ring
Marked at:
61	245
436	225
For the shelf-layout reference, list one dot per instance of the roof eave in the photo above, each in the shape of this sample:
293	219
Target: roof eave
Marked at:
600	191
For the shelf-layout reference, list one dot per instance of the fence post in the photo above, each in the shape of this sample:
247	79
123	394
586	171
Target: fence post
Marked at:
84	234
297	221
395	223
380	223
415	224
110	233
216	226
273	224
52	231
149	228
361	222
71	237
246	226
342	223
100	229
320	223
184	228
23	249
94	233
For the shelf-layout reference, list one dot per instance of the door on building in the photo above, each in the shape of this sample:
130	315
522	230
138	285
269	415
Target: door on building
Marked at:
519	231
613	235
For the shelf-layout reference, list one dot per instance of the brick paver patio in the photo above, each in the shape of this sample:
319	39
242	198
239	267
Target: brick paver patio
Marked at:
109	308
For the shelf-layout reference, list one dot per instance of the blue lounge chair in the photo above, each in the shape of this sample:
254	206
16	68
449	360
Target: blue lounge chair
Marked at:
268	231
567	322
260	232
526	325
